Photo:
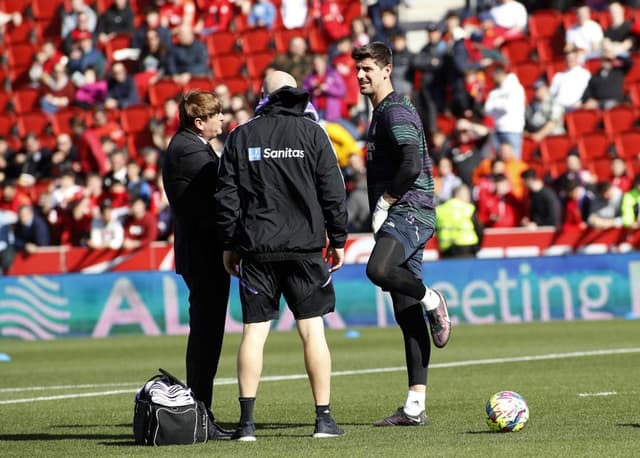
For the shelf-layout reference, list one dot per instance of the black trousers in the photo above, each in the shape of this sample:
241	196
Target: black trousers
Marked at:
208	299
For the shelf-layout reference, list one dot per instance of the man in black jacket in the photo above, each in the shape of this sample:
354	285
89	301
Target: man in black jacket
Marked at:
190	174
545	208
280	195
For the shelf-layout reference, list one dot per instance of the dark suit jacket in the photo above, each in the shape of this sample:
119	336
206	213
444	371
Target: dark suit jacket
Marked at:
190	174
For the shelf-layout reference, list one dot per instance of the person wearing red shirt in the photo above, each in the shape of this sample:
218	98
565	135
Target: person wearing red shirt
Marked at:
575	207
74	223
175	13
140	226
500	208
12	198
215	16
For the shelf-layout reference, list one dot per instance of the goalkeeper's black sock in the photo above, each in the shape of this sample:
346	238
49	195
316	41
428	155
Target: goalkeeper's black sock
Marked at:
323	412
246	410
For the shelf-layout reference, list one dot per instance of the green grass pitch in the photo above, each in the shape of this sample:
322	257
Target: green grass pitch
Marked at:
74	397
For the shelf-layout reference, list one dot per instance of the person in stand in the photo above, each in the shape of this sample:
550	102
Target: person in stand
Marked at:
190	175
458	229
400	185
544	205
273	241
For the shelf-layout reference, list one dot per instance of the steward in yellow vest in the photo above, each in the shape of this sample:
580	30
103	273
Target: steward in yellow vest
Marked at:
457	228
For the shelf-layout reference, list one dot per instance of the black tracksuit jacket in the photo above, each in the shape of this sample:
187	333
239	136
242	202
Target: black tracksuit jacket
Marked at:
280	190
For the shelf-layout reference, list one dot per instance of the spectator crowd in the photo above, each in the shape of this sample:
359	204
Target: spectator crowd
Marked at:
494	84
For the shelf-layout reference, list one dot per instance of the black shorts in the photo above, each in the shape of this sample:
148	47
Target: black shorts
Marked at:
305	284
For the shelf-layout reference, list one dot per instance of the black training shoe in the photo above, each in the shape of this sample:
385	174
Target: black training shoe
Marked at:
327	427
401	418
217	432
244	433
439	322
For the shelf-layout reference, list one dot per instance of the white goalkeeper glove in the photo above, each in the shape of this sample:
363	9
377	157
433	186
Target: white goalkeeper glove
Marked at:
379	214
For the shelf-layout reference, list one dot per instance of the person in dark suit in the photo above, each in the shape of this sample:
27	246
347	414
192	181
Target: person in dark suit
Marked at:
190	175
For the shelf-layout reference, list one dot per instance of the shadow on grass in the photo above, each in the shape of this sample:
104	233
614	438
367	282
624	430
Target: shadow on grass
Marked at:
629	425
60	437
481	432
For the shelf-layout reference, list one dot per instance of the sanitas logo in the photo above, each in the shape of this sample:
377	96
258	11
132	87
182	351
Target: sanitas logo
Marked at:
282	153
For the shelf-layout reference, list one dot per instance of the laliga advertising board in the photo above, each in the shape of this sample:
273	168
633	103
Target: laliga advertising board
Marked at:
577	287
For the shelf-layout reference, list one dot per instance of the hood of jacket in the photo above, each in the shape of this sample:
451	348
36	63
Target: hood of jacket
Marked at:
287	100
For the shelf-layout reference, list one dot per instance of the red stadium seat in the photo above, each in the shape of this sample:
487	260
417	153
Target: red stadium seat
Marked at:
202	83
163	90
351	10
119	41
60	122
238	85
528	73
633	75
281	38
26	100
257	63
137	141
27	32
445	123
594	145
518	51
545	23
550	49
618	119
12	6
628	144
229	66
256	40
222	42
555	148
135	118
36	122
318	42
7	124
21	55
46	9
582	121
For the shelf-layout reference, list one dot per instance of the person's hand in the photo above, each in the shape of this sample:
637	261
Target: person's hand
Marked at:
334	258
231	260
380	214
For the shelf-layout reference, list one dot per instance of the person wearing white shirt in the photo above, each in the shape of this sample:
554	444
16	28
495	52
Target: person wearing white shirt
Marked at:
294	13
568	86
585	36
107	231
509	14
506	105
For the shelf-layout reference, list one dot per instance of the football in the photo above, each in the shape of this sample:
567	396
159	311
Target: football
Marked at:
507	411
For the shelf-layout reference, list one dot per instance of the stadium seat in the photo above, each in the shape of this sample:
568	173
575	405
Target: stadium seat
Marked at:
36	122
318	42
11	6
618	119
256	40
445	123
582	121
238	85
137	141
7	124
555	148
550	49
633	75
351	10
554	67
634	94
628	144
594	145
517	51
600	168
202	82
61	119
545	23
257	63
135	118
222	42
528	73
46	9
228	66
281	38
26	100
593	65
20	55
27	32
119	41
163	90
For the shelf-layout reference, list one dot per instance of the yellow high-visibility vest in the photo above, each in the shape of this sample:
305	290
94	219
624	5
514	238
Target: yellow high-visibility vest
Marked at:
454	224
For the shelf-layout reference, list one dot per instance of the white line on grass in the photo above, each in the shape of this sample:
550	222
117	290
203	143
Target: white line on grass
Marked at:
601	393
277	378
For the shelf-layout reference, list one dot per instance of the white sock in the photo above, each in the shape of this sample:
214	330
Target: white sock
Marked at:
431	300
415	403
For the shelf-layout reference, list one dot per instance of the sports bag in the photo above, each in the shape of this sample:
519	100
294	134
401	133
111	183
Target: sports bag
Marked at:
166	413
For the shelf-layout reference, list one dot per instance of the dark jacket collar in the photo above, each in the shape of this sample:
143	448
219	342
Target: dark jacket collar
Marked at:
287	100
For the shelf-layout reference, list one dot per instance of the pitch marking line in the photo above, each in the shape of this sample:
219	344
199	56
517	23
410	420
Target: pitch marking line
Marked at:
601	393
278	378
